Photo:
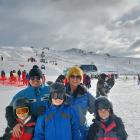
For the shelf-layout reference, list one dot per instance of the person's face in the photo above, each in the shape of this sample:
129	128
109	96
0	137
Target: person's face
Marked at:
22	113
75	80
103	113
35	81
57	99
57	102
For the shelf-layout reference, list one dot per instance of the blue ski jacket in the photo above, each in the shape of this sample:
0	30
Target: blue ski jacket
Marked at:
82	101
38	98
58	123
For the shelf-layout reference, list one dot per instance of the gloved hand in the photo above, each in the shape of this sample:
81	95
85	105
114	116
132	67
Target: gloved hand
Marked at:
10	117
93	130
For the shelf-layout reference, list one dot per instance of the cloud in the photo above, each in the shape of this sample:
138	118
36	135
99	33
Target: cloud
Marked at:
135	45
87	24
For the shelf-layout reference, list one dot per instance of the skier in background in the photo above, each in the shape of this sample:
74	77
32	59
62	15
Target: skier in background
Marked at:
24	77
87	81
19	73
100	88
1	58
104	84
109	82
138	79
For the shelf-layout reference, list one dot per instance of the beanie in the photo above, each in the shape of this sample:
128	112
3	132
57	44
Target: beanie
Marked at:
103	76
103	102
35	72
35	66
75	71
58	90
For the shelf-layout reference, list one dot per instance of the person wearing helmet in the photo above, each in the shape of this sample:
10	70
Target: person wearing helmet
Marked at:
37	93
106	124
60	121
21	111
79	98
21	108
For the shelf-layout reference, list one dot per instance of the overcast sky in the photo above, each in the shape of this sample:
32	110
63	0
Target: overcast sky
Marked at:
107	26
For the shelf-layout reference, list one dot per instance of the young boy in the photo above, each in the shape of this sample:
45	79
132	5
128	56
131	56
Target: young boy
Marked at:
106	126
21	109
60	121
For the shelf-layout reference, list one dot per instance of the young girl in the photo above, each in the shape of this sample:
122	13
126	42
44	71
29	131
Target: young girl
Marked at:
60	121
106	126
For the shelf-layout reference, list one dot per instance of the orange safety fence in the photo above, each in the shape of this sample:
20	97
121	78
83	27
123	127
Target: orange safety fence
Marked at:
12	81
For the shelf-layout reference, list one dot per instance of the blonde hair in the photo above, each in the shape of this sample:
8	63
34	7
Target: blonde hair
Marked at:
75	70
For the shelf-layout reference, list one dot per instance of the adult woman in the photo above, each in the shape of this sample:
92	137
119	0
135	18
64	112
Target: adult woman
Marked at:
79	97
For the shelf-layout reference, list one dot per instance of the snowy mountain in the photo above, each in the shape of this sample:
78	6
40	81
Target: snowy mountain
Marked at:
67	58
124	95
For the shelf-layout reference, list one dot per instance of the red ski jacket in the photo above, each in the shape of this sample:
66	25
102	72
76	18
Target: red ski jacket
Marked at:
27	131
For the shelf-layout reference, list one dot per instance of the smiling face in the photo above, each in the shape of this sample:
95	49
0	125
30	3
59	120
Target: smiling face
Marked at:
22	112
35	81
57	101
74	75
74	80
103	113
57	98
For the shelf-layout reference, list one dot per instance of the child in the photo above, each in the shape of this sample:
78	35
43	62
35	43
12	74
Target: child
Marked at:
106	126
60	121
21	109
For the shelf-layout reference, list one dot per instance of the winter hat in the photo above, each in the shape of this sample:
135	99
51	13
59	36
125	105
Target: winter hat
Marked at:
35	66
75	71
35	72
103	103
58	90
103	76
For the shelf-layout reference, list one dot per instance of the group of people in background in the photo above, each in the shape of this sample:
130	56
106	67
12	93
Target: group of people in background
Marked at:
57	111
21	77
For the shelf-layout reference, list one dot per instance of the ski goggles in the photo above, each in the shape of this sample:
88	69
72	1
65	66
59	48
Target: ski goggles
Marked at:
75	76
56	95
22	110
35	78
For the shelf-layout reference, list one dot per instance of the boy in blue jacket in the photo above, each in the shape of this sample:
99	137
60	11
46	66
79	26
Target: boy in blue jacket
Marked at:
60	121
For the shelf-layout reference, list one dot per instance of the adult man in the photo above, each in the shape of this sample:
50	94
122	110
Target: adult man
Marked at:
36	93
